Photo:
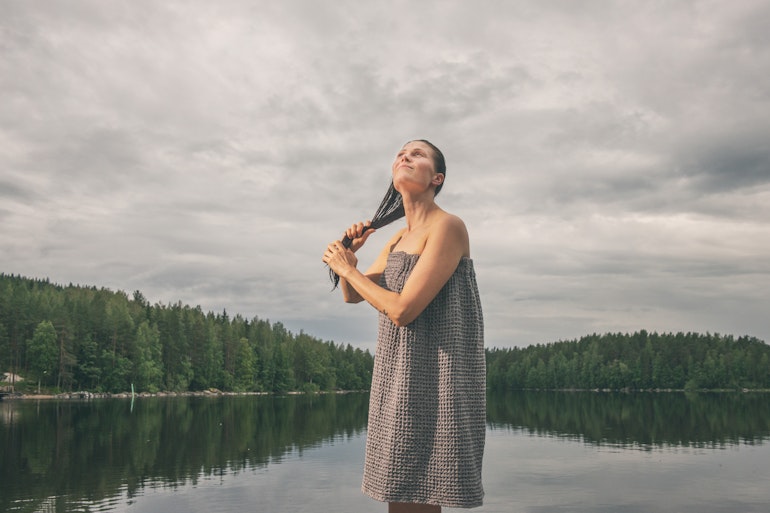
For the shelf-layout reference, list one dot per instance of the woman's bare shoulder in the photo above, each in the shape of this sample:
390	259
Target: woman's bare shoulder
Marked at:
450	229
452	224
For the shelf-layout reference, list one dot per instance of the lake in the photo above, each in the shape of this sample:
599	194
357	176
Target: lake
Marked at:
546	451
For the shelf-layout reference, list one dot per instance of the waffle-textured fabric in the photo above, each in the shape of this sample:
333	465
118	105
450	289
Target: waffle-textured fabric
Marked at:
427	409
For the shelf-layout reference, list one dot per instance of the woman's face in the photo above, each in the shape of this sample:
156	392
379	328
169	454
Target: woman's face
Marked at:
414	165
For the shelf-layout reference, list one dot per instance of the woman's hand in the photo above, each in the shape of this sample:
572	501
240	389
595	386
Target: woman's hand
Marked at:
339	258
358	233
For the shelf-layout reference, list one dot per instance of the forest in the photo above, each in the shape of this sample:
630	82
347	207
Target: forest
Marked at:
83	338
638	361
69	338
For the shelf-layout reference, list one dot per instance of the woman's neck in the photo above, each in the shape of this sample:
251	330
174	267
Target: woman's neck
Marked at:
419	210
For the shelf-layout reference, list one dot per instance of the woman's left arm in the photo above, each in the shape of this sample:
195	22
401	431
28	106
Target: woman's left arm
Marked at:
445	246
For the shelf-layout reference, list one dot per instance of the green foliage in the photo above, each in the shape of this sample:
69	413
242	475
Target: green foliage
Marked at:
147	369
82	338
640	361
42	351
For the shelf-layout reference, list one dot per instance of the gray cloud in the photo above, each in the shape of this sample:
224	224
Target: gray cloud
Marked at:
609	159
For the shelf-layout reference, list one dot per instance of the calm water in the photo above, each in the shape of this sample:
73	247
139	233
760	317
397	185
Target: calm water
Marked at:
555	452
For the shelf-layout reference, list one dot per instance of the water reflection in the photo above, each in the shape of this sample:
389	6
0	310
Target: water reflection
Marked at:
70	456
642	420
91	451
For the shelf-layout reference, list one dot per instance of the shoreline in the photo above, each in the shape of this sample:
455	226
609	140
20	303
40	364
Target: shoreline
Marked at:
83	395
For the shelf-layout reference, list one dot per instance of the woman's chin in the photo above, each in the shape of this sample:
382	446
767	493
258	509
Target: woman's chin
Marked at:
407	183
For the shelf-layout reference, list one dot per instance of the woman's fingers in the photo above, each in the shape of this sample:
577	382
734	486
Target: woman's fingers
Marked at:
338	256
357	229
331	249
354	231
358	233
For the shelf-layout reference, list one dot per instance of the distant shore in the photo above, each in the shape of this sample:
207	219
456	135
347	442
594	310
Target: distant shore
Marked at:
16	396
82	395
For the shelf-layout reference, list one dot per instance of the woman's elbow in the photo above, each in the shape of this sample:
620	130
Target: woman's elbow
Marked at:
402	318
398	322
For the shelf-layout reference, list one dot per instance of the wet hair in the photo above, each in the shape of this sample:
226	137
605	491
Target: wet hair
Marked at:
392	205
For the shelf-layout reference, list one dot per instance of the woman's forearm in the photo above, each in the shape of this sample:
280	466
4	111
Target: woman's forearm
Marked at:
386	301
349	294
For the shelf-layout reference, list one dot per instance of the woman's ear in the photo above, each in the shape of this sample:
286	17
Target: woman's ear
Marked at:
438	179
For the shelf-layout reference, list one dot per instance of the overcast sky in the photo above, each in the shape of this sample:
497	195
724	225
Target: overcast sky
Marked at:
611	160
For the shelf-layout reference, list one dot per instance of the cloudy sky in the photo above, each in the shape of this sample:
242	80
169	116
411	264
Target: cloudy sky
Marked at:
610	159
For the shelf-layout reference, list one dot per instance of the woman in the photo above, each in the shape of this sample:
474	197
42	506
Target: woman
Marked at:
426	429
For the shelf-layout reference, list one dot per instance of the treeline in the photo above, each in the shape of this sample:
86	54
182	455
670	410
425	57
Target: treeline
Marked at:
84	338
639	361
81	338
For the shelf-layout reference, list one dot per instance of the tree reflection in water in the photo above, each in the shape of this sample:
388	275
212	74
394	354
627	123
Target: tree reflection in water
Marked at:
58	454
643	420
97	449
